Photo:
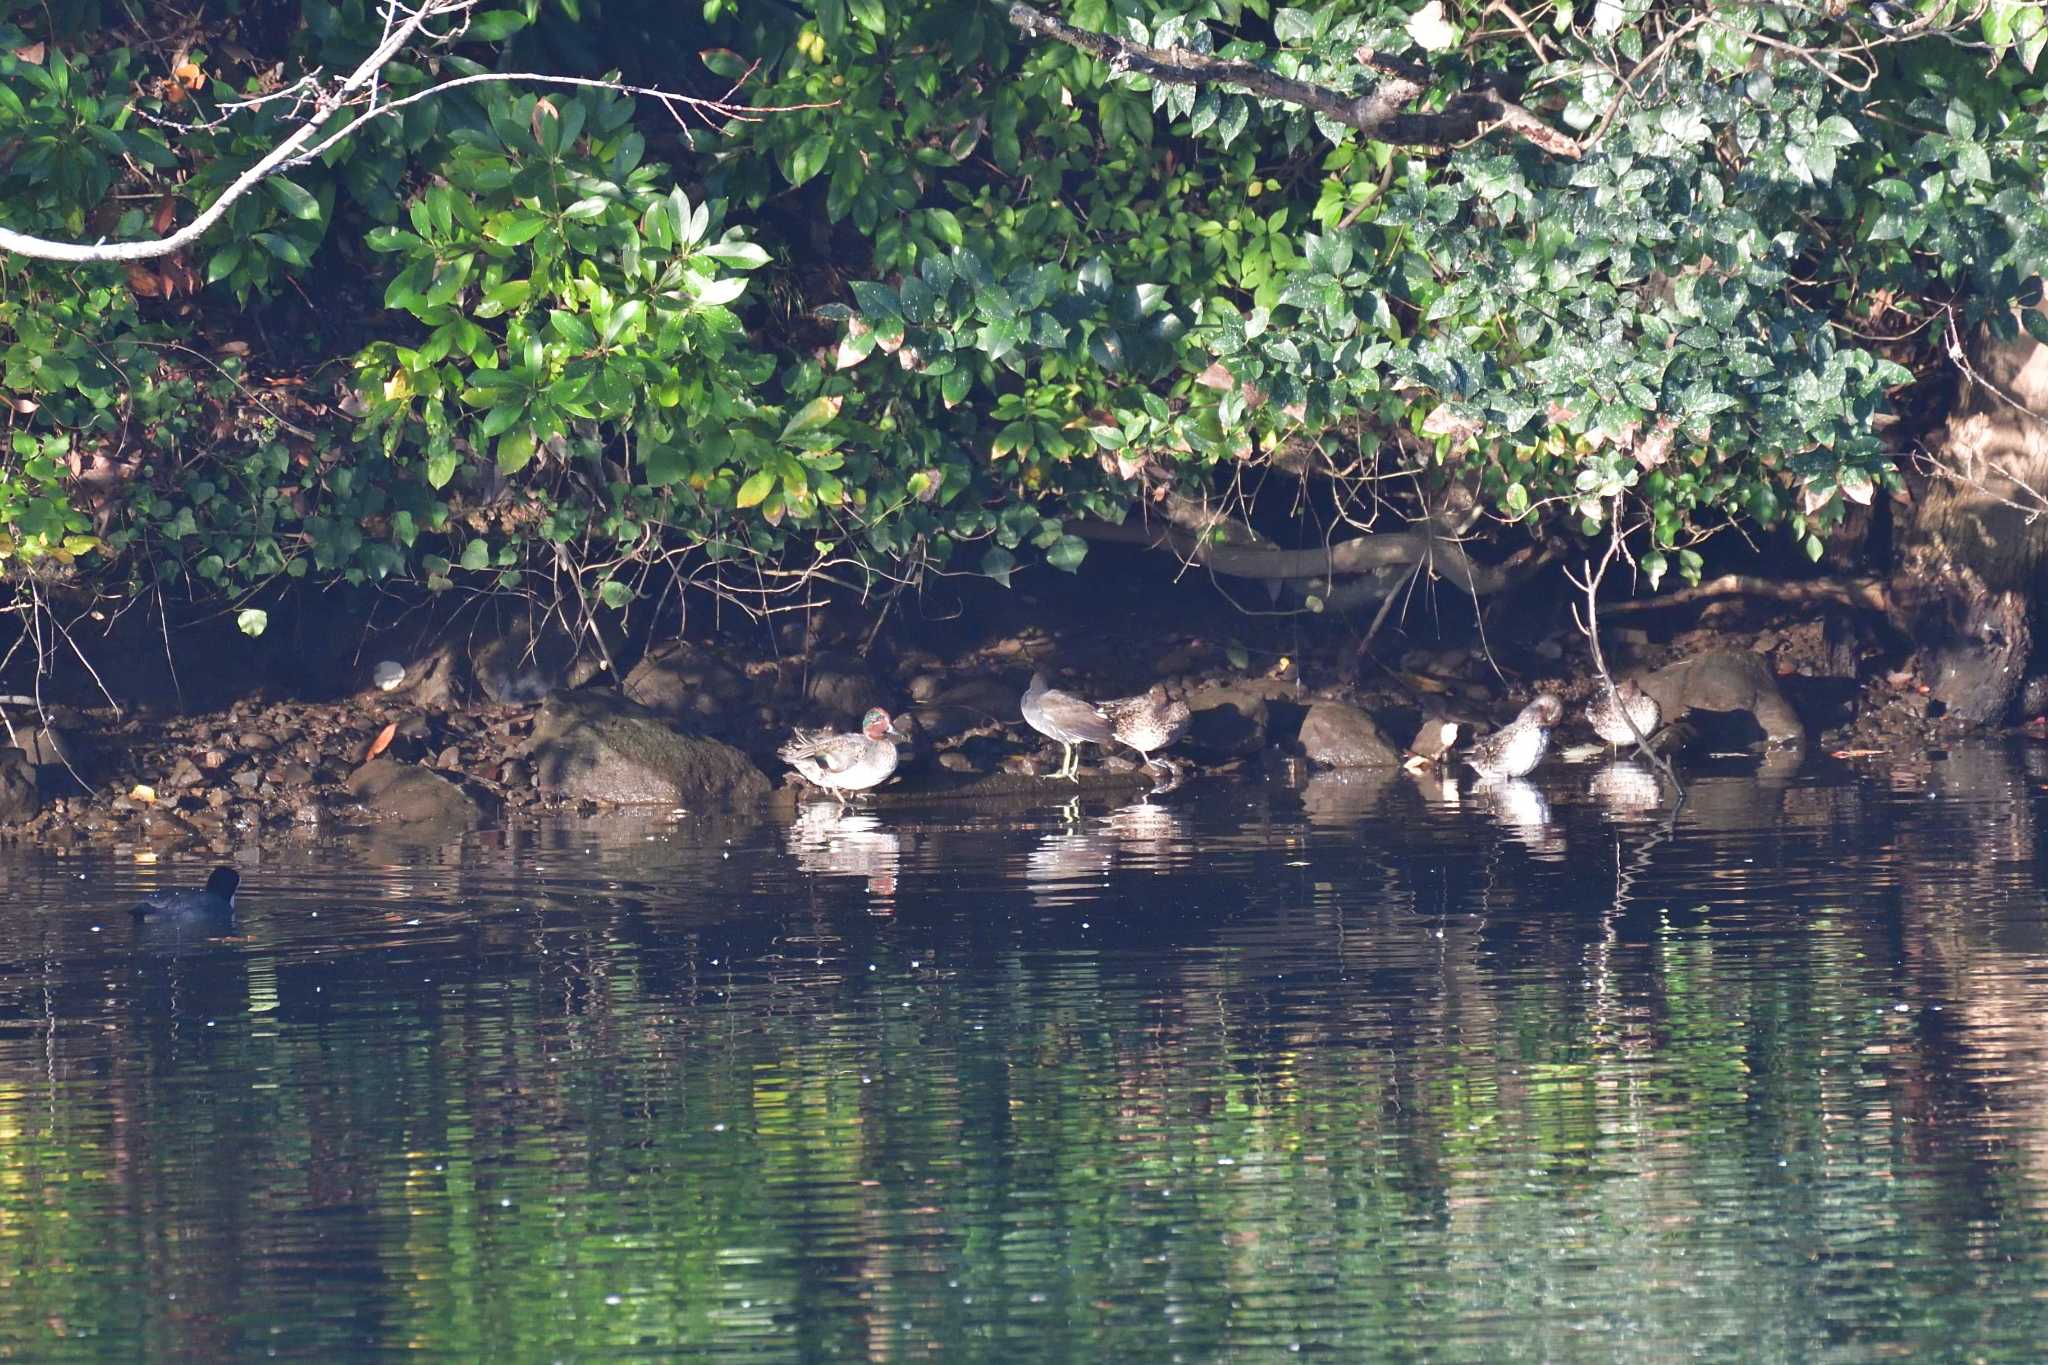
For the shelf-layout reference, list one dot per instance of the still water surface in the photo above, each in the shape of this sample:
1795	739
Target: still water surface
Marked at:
1357	1071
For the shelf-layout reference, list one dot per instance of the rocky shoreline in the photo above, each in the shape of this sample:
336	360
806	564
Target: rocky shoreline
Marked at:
437	734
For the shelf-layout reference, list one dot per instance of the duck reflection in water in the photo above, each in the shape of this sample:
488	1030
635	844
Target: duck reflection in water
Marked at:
1149	836
1069	866
1625	788
835	842
1522	810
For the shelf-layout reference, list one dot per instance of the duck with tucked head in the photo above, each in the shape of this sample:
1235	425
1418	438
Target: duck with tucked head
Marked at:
1067	718
1611	710
1149	722
846	764
1517	747
215	903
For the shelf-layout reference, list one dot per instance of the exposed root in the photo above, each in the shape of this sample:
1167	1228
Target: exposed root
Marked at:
1868	594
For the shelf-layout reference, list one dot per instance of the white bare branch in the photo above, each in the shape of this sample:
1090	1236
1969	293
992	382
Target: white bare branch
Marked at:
360	86
325	108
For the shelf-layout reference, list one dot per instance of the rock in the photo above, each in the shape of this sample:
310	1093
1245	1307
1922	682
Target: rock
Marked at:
514	775
953	761
292	775
256	742
519	668
45	746
1726	681
436	679
391	790
595	747
676	681
925	686
976	702
1227	720
214	758
20	797
449	759
184	773
247	779
1334	735
848	695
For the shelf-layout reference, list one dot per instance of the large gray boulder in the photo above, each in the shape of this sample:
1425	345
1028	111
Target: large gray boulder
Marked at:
522	665
409	793
682	681
1335	735
20	796
1726	681
599	747
1230	721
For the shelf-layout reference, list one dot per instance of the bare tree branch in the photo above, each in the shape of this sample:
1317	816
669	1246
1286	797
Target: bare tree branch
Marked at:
1367	554
359	86
325	108
1867	594
1376	113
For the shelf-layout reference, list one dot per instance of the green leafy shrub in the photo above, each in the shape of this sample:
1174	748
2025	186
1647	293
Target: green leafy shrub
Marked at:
957	290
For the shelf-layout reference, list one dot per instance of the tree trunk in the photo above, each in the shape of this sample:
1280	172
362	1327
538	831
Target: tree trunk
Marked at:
1973	551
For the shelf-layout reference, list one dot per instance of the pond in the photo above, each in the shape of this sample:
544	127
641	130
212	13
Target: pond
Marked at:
1370	1069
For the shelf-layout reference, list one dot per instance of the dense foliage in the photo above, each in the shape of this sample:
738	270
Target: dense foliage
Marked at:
953	290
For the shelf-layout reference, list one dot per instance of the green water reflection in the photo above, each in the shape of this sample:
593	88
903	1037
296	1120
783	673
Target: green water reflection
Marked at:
1359	1072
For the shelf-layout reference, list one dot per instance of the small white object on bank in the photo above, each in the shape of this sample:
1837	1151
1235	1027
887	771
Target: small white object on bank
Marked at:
389	674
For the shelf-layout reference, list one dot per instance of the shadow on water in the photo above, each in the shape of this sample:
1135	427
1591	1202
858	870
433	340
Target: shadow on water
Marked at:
1382	1066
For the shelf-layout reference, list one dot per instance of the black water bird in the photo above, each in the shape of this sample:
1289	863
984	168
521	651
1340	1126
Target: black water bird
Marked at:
216	902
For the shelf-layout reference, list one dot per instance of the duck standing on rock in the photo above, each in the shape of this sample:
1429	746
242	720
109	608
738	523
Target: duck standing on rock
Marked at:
1517	747
844	764
1148	722
1067	718
1612	708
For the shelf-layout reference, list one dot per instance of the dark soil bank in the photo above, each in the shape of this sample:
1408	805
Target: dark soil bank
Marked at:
437	723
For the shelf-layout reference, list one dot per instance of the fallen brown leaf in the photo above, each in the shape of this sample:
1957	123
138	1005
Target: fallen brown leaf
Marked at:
382	741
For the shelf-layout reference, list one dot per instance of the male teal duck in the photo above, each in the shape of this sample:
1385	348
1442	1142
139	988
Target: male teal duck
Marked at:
1067	718
844	764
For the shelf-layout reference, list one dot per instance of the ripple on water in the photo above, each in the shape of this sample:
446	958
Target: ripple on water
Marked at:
1377	1067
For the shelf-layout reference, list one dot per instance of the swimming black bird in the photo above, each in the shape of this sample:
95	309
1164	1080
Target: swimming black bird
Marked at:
216	902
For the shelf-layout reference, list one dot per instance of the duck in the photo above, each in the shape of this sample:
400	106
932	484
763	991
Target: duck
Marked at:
216	902
1147	722
1516	748
1612	708
1432	744
844	764
1067	718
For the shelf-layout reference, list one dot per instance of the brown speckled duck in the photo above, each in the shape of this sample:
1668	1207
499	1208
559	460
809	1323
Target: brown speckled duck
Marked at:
1611	710
1148	723
1517	747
